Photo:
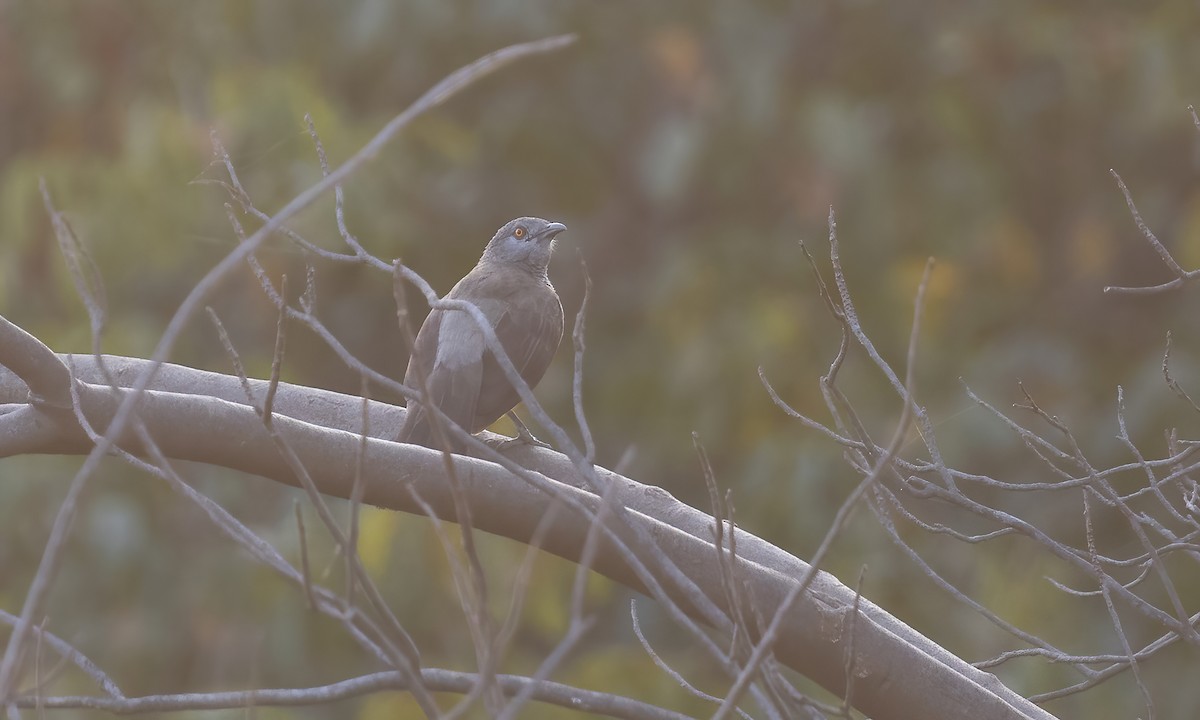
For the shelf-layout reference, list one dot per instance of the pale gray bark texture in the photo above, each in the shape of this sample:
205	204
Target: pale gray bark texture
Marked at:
202	416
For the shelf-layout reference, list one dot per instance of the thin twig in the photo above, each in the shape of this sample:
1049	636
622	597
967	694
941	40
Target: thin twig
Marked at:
448	681
1171	382
851	657
666	668
1181	276
1112	611
577	335
304	565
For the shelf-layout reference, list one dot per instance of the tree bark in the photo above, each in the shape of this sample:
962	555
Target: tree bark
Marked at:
203	417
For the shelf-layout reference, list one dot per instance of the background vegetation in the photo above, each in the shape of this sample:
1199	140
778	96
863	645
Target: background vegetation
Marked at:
688	146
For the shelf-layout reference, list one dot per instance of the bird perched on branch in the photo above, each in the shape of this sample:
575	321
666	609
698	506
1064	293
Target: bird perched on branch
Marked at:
451	360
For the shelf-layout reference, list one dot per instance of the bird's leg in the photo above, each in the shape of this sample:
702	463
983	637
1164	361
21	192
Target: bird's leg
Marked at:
524	437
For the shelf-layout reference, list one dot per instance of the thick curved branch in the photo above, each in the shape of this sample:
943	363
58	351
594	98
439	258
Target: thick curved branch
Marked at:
900	673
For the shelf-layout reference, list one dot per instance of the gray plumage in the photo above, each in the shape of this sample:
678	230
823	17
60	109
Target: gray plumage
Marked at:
511	288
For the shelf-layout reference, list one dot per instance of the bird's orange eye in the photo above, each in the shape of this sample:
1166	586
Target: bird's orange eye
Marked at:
519	233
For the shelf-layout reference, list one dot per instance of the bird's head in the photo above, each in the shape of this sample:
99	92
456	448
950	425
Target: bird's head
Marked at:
526	242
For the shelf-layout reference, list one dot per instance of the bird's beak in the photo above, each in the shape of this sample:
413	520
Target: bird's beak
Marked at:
552	230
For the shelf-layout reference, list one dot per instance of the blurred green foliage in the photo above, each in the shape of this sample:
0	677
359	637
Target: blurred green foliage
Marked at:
688	146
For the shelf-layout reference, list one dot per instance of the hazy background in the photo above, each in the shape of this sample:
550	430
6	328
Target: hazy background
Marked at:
688	146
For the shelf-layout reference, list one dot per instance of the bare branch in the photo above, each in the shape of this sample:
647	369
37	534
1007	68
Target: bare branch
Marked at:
437	680
1181	276
71	654
666	668
577	335
1171	382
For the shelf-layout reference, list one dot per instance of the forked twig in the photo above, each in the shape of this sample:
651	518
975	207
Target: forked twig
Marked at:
1182	276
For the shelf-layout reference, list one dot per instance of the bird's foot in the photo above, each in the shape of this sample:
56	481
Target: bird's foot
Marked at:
524	437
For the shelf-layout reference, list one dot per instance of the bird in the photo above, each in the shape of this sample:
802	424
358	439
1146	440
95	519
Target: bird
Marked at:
451	360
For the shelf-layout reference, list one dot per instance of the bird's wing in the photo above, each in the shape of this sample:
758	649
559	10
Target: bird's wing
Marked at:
529	331
449	351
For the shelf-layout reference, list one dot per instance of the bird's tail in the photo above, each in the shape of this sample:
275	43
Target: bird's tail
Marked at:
416	429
